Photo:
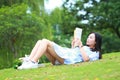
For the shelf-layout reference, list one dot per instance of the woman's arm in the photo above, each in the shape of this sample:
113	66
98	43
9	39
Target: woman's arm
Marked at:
73	43
83	53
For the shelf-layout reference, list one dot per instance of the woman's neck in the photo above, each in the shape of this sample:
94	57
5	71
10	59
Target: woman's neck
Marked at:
92	47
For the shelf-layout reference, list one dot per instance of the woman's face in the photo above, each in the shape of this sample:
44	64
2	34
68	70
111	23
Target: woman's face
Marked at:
91	40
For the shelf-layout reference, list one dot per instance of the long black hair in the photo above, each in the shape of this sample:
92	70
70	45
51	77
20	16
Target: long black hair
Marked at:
98	40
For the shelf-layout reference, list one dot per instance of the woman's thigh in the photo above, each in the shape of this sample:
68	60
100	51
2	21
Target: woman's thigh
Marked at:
52	52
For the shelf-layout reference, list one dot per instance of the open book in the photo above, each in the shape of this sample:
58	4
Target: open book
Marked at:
78	33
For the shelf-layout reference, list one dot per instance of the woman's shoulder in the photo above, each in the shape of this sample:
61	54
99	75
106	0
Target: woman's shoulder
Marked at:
89	49
86	47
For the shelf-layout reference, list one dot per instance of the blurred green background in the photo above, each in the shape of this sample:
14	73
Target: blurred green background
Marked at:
23	22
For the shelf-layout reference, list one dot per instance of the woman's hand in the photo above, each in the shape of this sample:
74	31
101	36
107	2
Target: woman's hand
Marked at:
76	42
72	43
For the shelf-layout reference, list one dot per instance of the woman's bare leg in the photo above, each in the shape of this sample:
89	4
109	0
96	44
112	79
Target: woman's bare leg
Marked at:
34	50
50	57
53	53
46	46
41	49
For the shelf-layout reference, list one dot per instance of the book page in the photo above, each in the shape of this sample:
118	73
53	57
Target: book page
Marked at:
78	33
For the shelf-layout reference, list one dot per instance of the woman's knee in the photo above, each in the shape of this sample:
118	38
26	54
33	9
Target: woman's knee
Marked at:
39	41
46	41
42	41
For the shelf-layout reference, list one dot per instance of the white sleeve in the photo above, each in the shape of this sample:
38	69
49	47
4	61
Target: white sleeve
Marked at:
94	56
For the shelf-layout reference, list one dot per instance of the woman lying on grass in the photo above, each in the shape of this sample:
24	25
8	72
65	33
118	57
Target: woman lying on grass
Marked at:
61	55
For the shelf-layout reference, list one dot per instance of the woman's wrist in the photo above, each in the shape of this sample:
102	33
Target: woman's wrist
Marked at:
80	46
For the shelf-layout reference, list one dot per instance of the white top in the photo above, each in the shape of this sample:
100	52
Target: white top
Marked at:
73	55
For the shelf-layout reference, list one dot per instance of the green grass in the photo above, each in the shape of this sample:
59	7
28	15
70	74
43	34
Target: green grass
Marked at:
106	69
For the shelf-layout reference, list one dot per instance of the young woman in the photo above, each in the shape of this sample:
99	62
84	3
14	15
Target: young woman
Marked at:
61	55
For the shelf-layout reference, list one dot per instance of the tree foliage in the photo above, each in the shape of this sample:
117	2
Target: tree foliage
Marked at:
106	16
19	31
33	5
9	2
103	17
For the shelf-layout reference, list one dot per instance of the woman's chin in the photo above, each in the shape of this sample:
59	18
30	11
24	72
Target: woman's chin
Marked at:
87	45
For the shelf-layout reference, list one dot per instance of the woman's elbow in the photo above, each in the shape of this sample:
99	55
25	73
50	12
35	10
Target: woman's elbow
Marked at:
86	60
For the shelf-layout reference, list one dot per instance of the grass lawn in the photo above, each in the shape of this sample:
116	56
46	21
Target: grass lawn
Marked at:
106	69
